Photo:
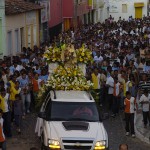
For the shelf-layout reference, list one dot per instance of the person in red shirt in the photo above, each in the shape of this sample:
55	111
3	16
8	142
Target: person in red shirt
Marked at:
36	82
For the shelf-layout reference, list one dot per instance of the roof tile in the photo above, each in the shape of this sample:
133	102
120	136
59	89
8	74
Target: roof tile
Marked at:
19	6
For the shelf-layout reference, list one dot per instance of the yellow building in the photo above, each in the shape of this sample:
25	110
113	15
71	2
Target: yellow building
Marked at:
22	25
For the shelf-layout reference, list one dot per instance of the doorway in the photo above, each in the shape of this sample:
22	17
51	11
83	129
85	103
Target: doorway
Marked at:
138	12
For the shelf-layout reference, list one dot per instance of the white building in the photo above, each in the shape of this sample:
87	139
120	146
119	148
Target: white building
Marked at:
98	10
126	8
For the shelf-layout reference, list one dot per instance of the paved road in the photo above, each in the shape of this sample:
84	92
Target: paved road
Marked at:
27	139
116	132
114	127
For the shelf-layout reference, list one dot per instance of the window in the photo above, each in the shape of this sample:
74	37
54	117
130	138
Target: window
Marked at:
22	42
124	8
72	111
9	42
29	36
34	35
17	40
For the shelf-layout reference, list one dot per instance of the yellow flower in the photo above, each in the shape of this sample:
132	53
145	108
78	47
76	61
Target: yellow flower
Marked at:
75	73
82	54
54	59
81	59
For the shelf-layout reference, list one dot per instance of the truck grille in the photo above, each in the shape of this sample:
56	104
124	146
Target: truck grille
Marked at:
77	144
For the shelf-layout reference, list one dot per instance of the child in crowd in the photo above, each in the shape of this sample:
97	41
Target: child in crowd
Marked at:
145	101
18	112
2	136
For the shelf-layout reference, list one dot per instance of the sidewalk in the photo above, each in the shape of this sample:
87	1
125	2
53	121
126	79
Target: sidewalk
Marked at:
142	133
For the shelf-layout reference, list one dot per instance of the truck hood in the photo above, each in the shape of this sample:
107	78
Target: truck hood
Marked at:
95	131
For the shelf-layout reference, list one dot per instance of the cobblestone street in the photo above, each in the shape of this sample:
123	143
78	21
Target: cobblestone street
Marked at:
114	126
27	139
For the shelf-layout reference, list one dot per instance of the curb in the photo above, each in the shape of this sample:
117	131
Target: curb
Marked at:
140	135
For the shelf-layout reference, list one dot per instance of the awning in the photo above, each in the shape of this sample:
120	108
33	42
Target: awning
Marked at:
138	4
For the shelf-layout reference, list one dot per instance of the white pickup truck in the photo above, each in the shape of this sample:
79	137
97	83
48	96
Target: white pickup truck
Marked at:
70	120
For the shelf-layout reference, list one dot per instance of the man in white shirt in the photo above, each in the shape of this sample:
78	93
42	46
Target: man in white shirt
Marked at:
110	85
116	94
145	101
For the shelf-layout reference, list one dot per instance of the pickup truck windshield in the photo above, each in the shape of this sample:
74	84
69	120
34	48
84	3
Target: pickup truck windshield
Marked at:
73	111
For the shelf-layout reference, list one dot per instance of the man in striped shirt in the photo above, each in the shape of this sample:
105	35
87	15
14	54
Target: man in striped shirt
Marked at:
144	84
130	107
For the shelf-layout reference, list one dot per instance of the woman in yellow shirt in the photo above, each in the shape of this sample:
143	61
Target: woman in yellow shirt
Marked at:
14	90
4	105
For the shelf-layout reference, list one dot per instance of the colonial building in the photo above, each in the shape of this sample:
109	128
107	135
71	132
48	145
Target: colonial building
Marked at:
97	10
75	13
22	25
78	12
55	18
2	28
126	8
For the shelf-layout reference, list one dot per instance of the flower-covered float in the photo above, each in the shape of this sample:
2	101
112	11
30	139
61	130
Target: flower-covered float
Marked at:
67	69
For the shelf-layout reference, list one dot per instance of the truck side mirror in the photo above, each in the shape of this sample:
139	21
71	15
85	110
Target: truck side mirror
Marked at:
42	115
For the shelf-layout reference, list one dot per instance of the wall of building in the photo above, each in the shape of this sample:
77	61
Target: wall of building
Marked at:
68	8
2	28
14	23
55	12
115	8
98	6
22	30
148	13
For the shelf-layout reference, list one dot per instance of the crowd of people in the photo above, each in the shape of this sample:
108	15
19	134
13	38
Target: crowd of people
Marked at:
120	71
121	68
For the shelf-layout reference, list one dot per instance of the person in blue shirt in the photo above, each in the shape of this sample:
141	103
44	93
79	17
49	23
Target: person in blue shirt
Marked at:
147	67
25	93
24	59
43	76
37	69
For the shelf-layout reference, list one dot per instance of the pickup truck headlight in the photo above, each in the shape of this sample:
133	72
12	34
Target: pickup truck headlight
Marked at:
100	145
53	144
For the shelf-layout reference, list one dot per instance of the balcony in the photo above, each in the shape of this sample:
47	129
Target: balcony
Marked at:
98	4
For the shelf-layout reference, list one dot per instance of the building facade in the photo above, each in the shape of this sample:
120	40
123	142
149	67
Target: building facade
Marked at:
148	8
126	8
78	12
22	26
96	11
75	13
2	28
55	18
